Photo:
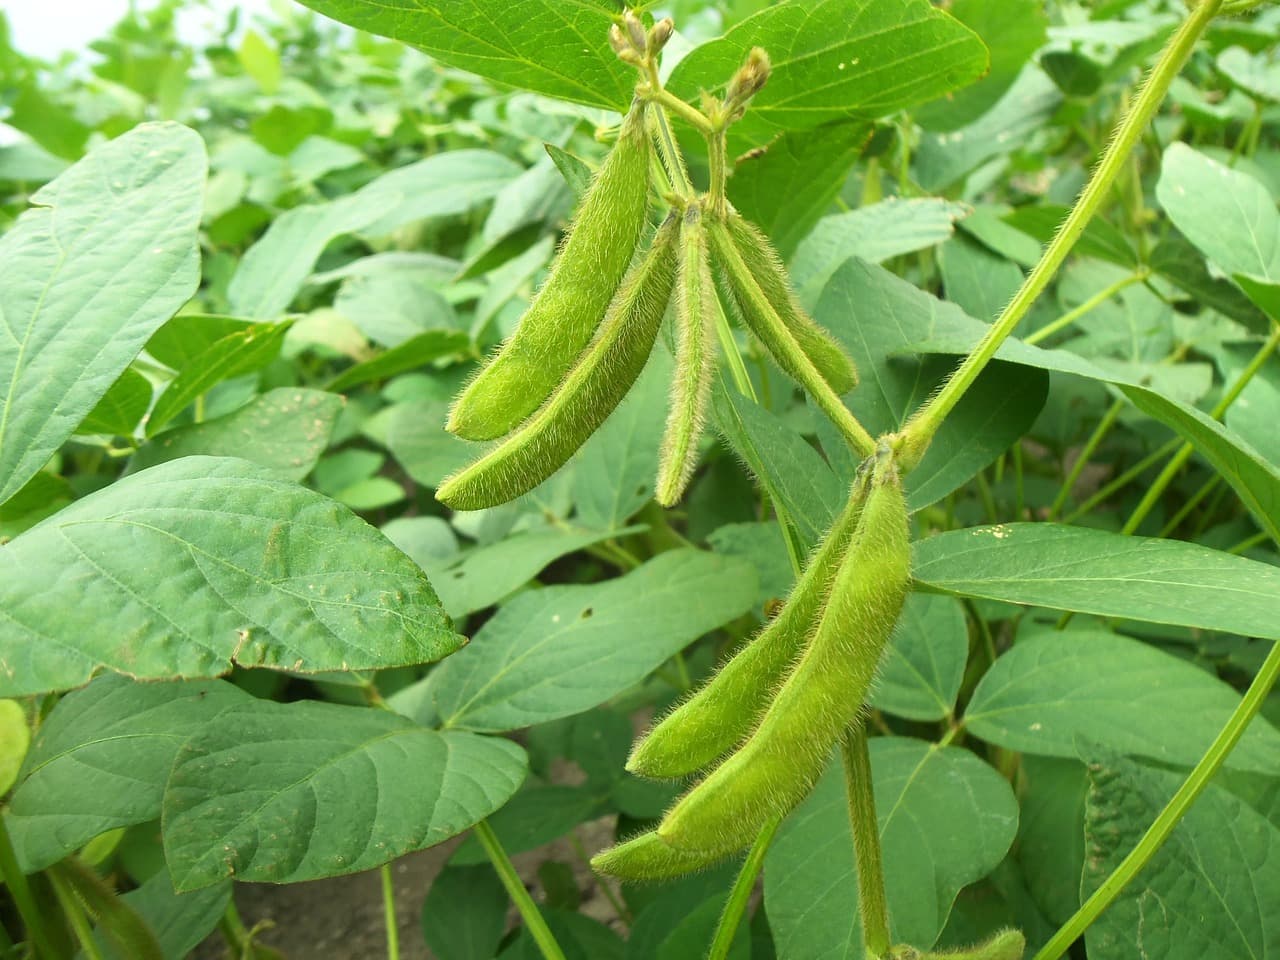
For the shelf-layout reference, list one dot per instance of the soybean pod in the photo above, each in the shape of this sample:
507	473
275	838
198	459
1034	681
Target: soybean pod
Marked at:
721	714
646	857
591	391
569	308
777	765
764	264
695	360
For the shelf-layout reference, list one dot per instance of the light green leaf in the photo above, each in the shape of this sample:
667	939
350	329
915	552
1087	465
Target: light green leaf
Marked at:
261	61
44	494
417	439
483	576
1207	894
193	565
100	760
183	339
837	59
234	355
874	234
561	650
284	792
924	665
413	353
274	269
1229	216
121	408
946	820
1259	74
1055	689
1107	574
561	50
285	429
15	737
105	257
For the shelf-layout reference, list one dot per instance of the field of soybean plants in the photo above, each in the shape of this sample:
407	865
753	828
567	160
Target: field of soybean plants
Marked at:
544	480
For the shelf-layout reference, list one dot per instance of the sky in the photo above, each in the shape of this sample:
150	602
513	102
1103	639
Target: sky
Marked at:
46	28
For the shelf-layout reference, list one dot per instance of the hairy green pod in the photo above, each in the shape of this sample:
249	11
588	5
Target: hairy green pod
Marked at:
568	309
1005	945
764	264
695	361
720	715
754	306
823	694
591	391
646	858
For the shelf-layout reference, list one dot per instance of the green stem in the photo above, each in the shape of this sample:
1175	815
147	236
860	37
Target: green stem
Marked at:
1248	543
873	905
389	913
1073	475
1156	490
533	919
1185	510
1173	812
926	421
669	101
739	896
75	915
1099	298
23	898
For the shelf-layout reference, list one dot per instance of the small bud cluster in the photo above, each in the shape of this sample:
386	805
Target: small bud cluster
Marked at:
746	83
636	46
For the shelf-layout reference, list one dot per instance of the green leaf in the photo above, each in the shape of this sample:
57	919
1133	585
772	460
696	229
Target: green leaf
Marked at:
946	819
877	316
44	494
540	45
180	921
274	269
1259	74
1107	574
924	665
465	913
795	472
283	792
976	280
285	429
574	169
121	408
1056	689
234	355
874	234
417	439
835	60
105	257
787	187
614	472
1051	832
1207	894
1229	216
184	338
561	650
1012	30
100	760
261	61
188	567
483	576
413	353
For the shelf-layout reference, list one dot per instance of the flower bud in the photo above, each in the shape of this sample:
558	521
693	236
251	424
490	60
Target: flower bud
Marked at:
659	35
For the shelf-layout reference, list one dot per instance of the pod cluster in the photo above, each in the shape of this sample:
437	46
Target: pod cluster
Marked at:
585	338
764	726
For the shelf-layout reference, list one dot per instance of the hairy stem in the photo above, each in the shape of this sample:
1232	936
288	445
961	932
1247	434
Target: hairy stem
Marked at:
873	905
529	913
926	421
1173	812
389	913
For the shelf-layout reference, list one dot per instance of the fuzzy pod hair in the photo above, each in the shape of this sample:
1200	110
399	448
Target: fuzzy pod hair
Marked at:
591	391
823	693
695	361
763	262
591	263
719	716
645	858
1004	945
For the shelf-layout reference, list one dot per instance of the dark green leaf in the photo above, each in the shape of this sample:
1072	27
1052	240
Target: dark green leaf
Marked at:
465	913
924	665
